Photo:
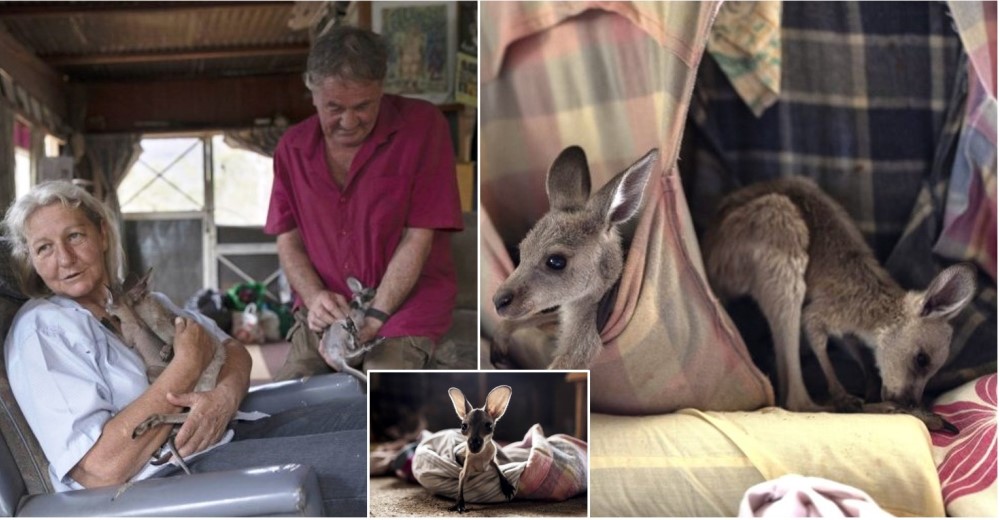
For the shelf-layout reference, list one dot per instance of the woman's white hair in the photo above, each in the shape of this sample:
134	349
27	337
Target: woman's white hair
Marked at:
70	196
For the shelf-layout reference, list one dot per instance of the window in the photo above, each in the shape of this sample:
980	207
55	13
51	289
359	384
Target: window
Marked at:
52	145
22	157
168	177
242	185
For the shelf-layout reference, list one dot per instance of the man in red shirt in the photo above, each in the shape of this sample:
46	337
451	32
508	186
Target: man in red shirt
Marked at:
365	188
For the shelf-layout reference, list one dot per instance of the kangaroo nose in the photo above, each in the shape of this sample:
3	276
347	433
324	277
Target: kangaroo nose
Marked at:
475	444
502	299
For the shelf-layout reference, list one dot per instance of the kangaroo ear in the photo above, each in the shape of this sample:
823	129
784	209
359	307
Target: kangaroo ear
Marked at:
497	400
146	280
355	285
131	280
568	182
458	402
137	288
621	198
949	292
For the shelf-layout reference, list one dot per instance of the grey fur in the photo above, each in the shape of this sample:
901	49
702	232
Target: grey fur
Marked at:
798	254
582	230
154	314
478	425
340	341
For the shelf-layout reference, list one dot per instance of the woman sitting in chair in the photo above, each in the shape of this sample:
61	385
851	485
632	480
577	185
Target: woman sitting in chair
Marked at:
83	391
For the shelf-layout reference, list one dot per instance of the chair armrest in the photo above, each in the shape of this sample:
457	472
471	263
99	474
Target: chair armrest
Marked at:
266	491
286	395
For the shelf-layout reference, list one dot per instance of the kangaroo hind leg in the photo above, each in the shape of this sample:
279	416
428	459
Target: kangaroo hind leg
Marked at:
761	249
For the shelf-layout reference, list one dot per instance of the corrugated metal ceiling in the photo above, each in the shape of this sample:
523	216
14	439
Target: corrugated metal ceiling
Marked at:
95	41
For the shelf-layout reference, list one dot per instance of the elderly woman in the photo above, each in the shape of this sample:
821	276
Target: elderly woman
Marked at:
83	391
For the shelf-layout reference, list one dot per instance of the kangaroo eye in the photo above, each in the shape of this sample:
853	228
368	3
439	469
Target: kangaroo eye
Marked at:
556	262
489	427
923	360
465	427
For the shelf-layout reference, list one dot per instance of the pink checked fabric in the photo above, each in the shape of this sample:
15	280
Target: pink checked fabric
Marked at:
967	462
970	220
616	79
541	468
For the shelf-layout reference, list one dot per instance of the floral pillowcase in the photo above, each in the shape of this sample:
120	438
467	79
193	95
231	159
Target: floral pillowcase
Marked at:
967	462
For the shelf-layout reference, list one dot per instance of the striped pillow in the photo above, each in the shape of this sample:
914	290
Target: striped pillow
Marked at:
967	462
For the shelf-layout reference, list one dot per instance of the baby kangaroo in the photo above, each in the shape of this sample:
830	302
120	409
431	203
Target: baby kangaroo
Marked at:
797	253
148	317
340	344
573	256
155	353
478	425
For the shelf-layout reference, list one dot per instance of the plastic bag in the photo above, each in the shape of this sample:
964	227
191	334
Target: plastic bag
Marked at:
247	327
243	294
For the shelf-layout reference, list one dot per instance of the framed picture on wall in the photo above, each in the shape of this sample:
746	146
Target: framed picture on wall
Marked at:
466	80
422	40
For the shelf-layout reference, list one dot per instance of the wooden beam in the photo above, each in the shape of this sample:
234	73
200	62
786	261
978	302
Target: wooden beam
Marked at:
62	9
364	15
159	57
192	104
37	78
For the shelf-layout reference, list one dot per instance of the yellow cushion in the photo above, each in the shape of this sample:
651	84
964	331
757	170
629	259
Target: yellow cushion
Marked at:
693	463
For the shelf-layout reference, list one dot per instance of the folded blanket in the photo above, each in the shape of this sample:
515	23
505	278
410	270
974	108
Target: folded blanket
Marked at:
539	467
797	496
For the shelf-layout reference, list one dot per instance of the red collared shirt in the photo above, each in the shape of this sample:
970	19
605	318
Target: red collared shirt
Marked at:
403	176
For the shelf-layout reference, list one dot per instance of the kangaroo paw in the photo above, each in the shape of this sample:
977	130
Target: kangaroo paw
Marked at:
847	403
145	426
506	488
498	355
501	346
931	420
459	506
176	455
121	490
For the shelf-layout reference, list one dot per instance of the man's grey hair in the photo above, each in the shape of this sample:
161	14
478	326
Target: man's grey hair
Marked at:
347	53
71	196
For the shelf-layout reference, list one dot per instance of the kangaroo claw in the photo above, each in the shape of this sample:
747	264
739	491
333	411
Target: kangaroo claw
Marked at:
145	426
507	489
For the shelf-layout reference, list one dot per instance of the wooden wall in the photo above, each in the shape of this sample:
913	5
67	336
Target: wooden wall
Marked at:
194	104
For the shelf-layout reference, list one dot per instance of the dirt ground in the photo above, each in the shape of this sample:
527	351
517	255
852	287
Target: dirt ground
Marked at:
390	496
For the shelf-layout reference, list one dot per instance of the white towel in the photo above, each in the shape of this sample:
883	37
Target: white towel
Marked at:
798	496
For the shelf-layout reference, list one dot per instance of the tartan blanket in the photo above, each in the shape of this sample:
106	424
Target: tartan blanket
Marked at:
539	467
970	220
872	102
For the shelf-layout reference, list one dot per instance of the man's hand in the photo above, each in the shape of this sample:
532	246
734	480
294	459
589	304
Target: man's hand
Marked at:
326	307
209	415
369	329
